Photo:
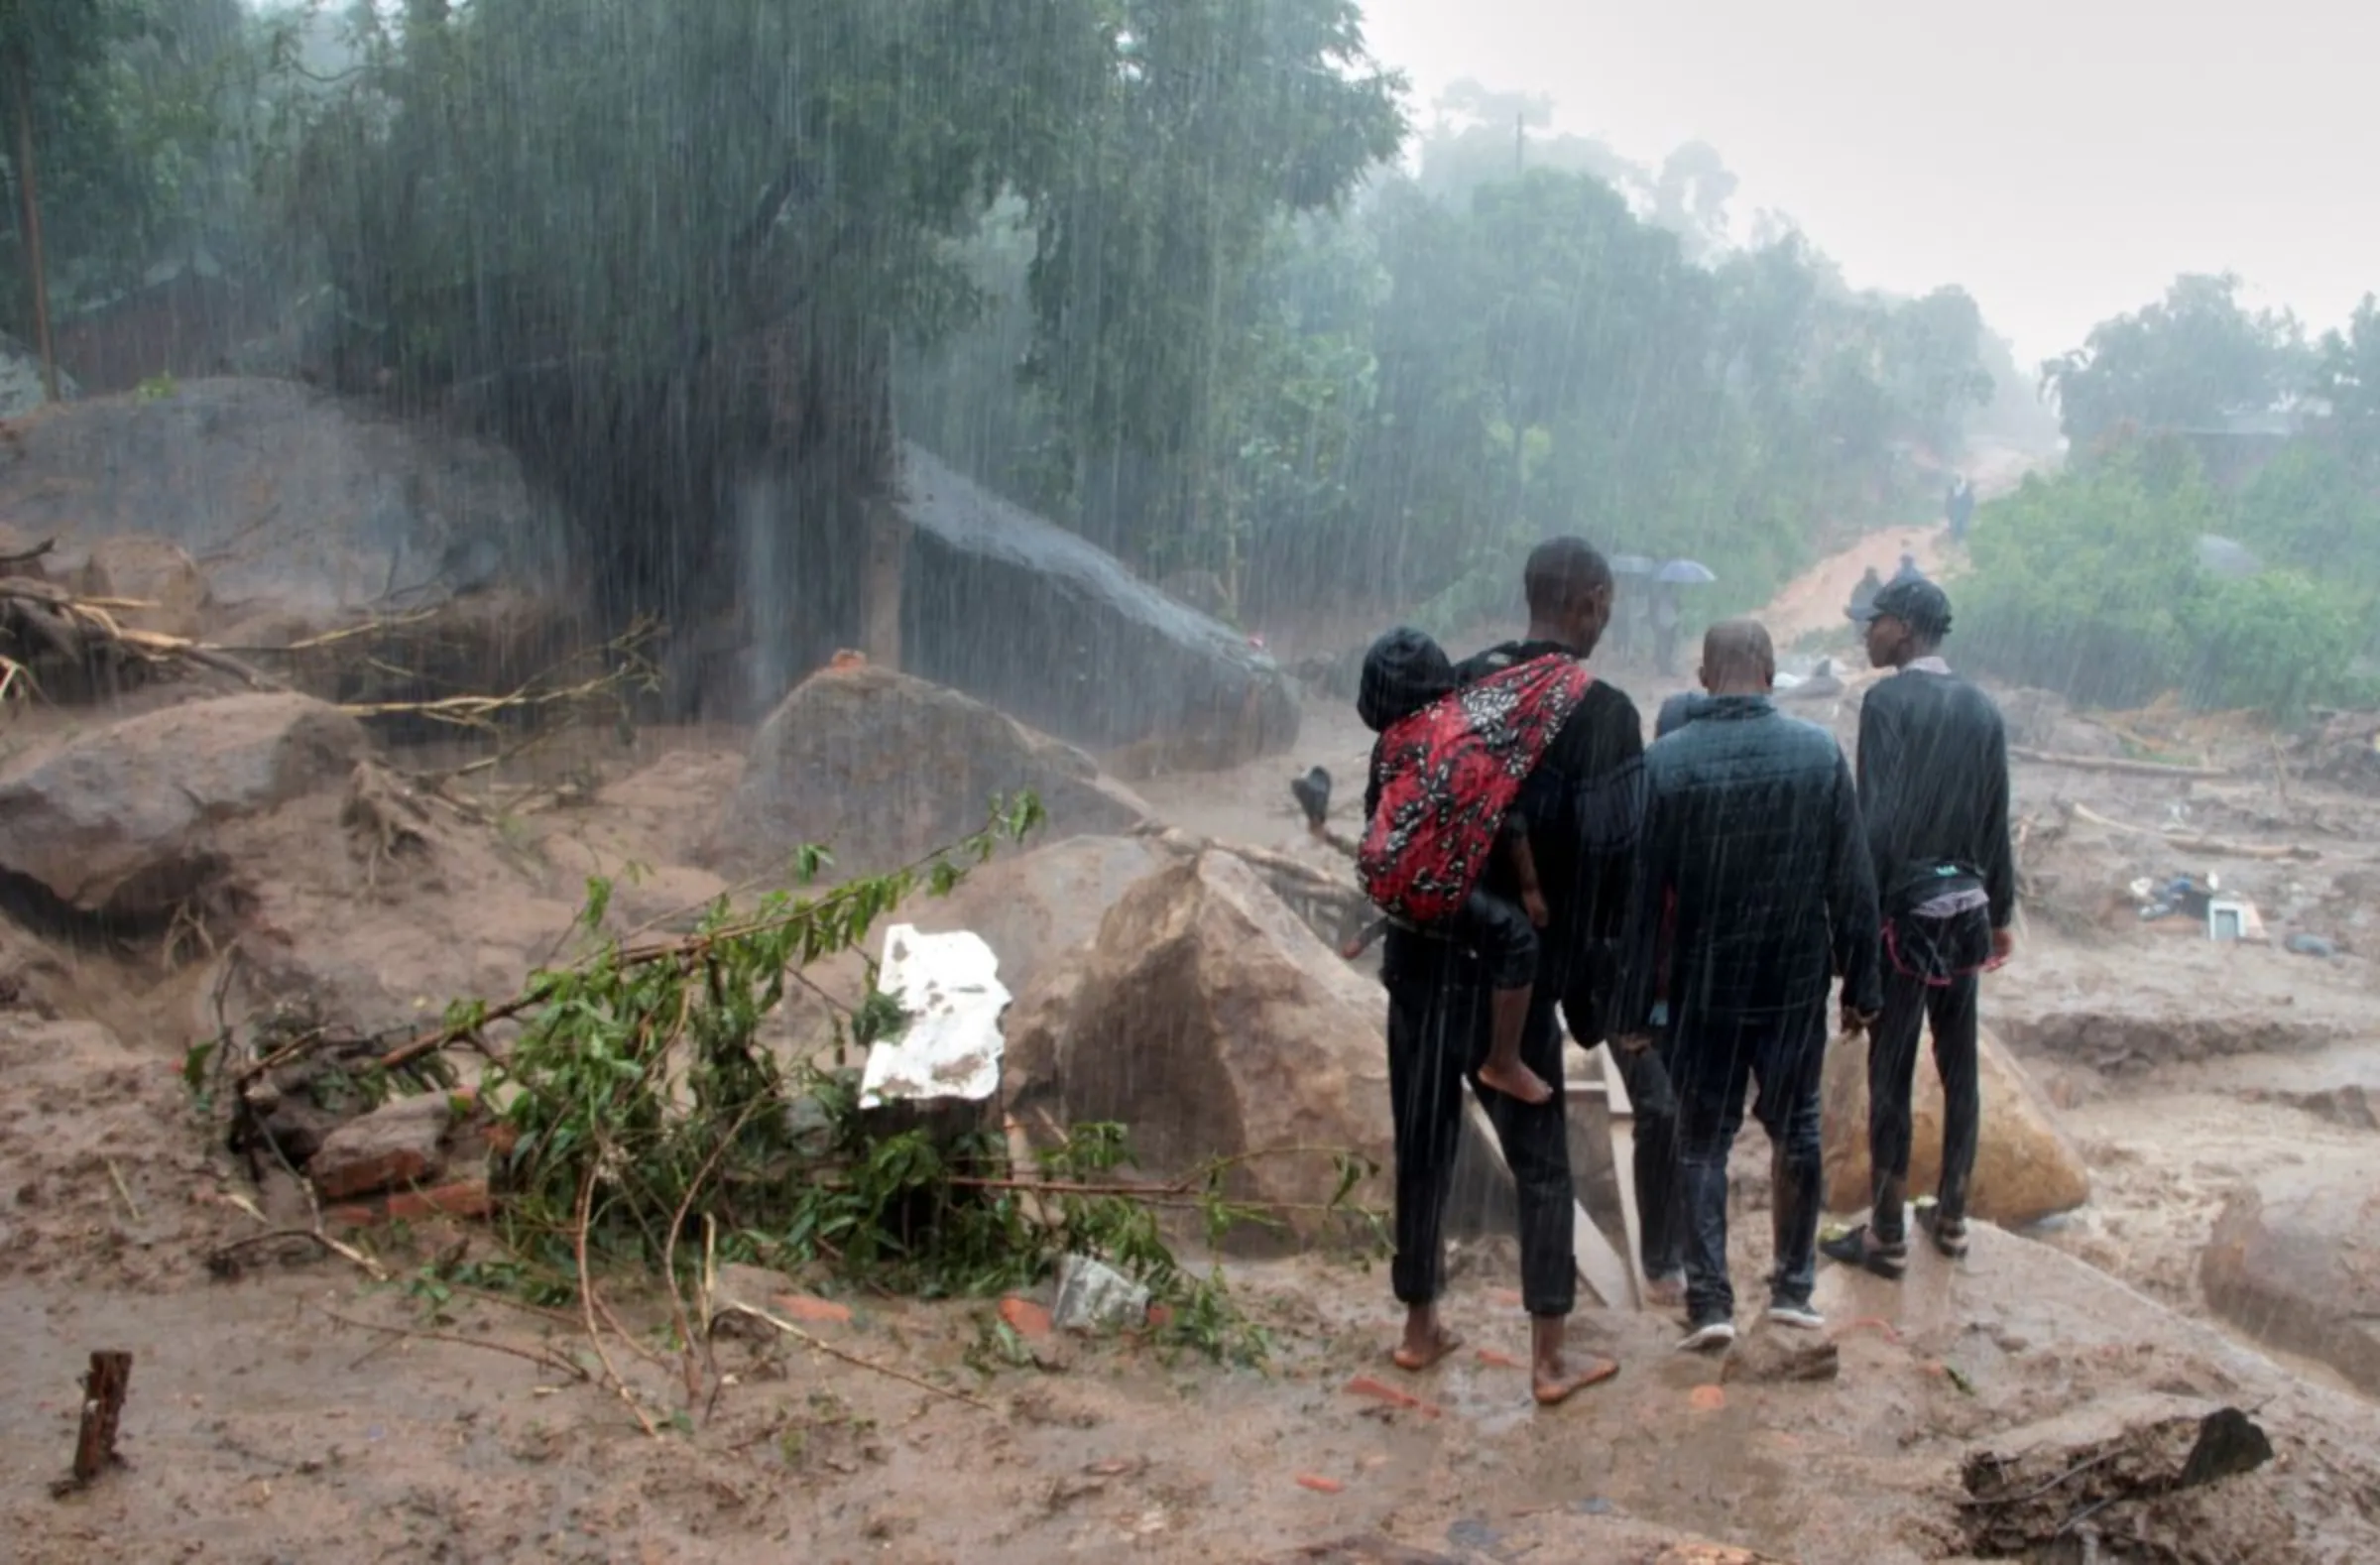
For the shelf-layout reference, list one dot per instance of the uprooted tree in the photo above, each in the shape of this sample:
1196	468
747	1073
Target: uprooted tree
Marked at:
647	1128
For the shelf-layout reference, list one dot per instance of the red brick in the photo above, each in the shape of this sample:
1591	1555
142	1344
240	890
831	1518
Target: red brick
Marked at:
1026	1317
806	1310
349	1217
1366	1385
1500	1361
463	1198
1320	1486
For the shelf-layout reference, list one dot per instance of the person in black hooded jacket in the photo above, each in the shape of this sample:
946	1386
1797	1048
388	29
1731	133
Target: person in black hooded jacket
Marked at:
1753	893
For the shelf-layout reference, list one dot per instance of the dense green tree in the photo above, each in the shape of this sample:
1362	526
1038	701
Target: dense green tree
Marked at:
2188	361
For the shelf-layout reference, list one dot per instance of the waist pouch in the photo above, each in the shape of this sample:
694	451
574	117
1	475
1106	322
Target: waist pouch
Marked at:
1938	925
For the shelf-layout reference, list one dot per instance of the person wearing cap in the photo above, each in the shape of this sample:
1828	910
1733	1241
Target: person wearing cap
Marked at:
1933	771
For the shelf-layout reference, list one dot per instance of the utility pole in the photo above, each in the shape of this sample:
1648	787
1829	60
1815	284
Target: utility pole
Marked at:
29	207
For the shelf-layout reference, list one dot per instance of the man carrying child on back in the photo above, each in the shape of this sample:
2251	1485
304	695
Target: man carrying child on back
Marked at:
1528	733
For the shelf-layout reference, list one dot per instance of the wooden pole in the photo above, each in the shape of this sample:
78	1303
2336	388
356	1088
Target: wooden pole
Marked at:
29	205
103	1391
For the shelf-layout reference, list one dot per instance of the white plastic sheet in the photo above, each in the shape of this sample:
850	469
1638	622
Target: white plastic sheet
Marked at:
949	984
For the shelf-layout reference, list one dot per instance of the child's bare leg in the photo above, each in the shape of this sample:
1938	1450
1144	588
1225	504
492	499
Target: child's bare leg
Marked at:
1508	1011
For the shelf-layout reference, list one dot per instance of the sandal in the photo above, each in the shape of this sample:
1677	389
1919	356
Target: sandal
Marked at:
1948	1233
1860	1248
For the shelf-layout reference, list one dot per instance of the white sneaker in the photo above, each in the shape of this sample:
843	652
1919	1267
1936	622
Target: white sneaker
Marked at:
1800	1316
1706	1334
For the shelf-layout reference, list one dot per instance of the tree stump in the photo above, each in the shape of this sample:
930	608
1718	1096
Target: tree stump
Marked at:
103	1390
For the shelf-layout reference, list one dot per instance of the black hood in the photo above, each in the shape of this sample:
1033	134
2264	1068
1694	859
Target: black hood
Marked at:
1404	672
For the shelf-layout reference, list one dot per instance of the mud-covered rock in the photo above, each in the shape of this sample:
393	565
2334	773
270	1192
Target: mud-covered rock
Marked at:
2025	1168
1210	1021
293	498
155	572
401	1143
884	768
124	819
1033	908
2296	1263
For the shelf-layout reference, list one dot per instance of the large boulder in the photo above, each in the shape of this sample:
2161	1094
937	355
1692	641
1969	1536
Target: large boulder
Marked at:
284	495
124	819
1212	1022
1039	621
884	768
1035	908
2025	1170
2296	1263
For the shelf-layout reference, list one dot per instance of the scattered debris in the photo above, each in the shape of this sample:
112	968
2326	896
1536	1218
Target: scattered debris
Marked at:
1767	1358
948	988
2034	1485
1095	1296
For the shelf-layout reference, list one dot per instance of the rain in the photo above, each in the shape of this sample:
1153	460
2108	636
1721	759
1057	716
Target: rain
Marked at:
1326	780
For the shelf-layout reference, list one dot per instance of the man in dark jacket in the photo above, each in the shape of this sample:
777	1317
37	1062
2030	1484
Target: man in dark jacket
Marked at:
1582	806
1934	792
1753	893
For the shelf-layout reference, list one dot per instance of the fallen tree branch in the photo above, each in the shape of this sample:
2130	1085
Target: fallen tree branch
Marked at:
26	557
788	1328
104	1386
534	1356
586	1300
2117	764
2198	842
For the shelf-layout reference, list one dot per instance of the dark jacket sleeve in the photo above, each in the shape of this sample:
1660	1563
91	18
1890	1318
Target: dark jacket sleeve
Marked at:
1851	902
1642	949
1997	859
1610	821
1879	763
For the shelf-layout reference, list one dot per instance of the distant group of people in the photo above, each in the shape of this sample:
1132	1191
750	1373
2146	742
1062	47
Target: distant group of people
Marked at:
1694	904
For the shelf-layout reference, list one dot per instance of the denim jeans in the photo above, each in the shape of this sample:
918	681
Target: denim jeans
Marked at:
1712	1061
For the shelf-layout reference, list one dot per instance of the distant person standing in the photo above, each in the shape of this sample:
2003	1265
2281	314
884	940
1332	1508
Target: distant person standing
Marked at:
1864	594
1959	508
1665	628
1934	792
1753	893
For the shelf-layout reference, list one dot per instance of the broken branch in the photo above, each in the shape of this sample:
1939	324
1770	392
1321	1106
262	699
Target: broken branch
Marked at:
2117	764
104	1386
755	1312
2197	842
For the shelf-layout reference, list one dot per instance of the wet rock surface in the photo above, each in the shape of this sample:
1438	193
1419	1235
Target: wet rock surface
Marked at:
127	819
884	768
2295	1262
281	494
1021	613
2025	1169
1210	1021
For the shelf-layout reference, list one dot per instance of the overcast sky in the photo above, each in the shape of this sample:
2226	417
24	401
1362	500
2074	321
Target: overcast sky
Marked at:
2061	159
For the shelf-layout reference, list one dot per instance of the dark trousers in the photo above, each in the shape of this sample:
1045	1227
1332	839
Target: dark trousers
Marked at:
1909	1005
1438	1038
1713	1060
1660	1209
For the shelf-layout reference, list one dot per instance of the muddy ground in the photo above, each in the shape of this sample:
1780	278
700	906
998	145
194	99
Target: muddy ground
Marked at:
299	1410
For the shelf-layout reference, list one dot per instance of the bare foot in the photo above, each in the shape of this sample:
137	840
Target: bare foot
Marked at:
1421	1352
1554	1381
1517	1082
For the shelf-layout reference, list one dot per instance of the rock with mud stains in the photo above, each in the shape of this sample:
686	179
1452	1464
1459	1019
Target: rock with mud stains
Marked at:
400	1143
1033	908
2026	1169
2295	1261
1212	1022
882	769
154	572
123	820
1774	1358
